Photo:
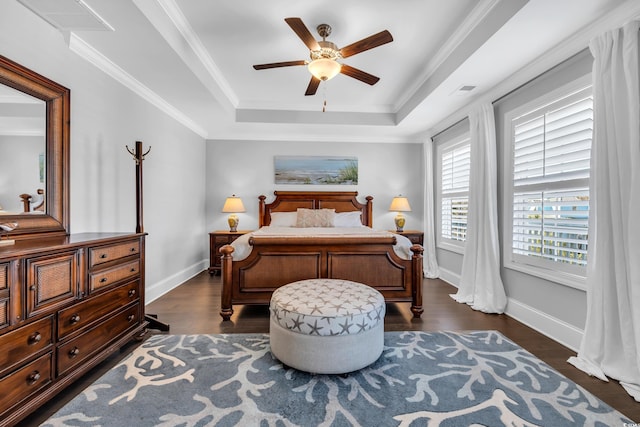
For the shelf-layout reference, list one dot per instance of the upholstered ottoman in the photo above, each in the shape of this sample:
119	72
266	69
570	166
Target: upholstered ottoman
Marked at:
327	326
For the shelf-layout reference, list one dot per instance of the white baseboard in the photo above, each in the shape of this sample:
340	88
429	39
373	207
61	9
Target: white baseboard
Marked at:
552	327
449	276
156	290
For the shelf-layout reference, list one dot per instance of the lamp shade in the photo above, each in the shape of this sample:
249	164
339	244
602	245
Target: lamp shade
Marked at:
400	204
324	68
233	204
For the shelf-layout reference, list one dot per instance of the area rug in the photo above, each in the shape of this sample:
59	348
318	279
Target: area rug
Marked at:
443	379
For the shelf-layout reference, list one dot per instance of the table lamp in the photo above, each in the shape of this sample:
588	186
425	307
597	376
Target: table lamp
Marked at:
400	204
233	205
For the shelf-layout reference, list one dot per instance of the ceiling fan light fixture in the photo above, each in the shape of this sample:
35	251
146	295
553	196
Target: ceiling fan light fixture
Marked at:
324	69
324	55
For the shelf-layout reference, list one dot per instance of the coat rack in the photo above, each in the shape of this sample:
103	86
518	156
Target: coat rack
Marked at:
139	156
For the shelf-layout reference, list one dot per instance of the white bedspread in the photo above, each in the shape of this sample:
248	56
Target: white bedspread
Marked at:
242	249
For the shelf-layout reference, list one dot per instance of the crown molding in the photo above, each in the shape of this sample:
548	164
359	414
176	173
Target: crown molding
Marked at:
93	56
627	11
181	23
471	21
274	136
488	20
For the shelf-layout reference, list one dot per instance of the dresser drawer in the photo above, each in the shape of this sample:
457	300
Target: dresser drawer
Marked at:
105	278
4	294
218	239
4	275
10	296
4	312
80	315
18	345
25	381
415	239
78	349
102	254
51	282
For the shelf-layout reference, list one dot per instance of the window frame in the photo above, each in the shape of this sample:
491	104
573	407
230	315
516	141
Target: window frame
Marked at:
452	245
534	266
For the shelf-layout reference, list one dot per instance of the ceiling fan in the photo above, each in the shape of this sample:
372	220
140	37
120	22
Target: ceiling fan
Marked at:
324	55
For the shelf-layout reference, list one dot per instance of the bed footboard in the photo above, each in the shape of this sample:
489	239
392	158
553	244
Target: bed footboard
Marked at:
275	263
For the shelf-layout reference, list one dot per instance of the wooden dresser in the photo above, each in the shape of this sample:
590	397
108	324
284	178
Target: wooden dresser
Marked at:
66	303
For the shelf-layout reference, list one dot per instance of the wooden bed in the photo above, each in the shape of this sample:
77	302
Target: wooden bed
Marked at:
274	262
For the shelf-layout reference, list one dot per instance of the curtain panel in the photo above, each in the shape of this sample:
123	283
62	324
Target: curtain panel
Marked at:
430	263
480	283
611	342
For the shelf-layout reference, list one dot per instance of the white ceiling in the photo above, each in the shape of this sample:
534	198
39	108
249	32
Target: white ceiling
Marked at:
193	58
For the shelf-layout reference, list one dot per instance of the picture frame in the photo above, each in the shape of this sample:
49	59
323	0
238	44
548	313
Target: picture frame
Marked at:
316	170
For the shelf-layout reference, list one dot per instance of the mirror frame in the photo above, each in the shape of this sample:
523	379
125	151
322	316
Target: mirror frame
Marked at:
55	220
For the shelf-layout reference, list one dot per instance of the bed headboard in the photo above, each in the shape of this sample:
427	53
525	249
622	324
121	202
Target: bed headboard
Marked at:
341	201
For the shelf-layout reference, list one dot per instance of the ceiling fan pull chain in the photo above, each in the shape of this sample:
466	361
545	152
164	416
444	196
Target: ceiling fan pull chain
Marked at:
324	93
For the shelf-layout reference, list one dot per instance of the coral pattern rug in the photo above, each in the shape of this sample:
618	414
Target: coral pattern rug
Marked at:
442	379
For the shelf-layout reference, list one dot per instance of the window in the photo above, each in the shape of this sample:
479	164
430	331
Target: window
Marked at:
454	162
549	177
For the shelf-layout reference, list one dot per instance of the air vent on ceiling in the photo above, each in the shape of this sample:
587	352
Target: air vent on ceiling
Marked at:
463	90
68	15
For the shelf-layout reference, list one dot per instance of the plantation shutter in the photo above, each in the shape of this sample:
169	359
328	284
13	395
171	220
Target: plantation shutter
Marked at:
552	148
456	163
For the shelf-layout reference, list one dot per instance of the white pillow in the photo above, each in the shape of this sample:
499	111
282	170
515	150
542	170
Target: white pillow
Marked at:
284	219
348	219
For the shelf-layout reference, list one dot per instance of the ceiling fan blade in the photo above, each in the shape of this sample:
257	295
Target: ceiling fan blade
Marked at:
303	32
278	64
313	86
383	37
359	74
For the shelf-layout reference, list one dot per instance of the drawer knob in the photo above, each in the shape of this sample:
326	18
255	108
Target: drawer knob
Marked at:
133	249
132	292
131	317
75	318
74	352
33	377
133	269
104	279
103	256
35	338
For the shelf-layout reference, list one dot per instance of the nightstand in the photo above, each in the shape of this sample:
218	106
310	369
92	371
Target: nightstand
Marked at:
416	236
218	239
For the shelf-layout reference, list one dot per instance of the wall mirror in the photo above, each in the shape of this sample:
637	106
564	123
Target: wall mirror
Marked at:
34	152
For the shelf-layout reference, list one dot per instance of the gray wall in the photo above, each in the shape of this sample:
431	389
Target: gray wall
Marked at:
106	116
245	168
556	310
559	301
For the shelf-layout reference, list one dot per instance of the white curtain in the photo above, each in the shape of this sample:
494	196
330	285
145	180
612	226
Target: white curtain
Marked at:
480	283
611	341
429	263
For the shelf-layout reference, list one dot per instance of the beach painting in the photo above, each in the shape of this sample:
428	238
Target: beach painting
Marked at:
316	170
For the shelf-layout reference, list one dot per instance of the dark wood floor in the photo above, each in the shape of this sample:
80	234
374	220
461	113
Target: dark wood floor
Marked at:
193	308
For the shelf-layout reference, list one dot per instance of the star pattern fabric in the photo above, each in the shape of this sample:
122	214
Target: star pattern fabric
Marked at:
327	307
